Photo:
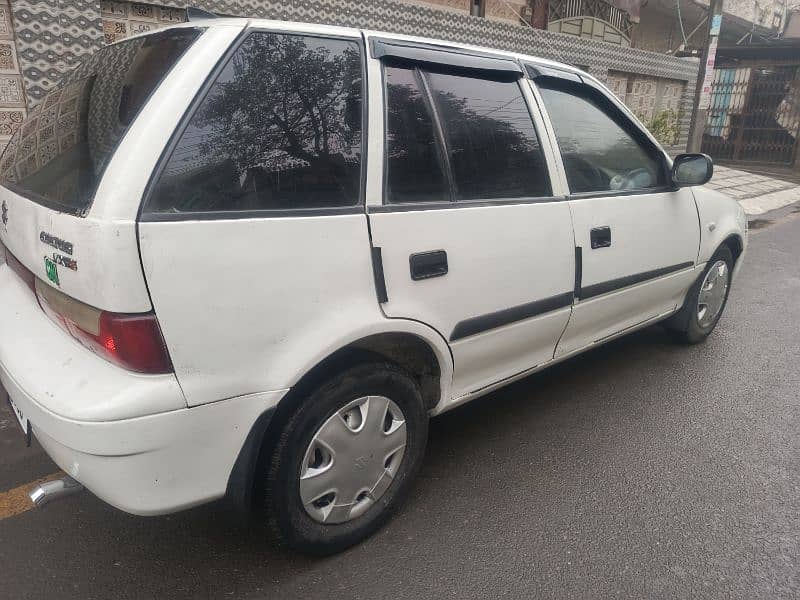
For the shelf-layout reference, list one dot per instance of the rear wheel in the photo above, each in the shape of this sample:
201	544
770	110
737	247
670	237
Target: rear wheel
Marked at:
346	458
705	301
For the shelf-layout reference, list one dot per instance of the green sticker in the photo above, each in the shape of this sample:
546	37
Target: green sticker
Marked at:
52	270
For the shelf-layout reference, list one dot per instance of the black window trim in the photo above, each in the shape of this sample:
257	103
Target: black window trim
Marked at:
429	54
439	133
444	205
585	87
147	216
538	70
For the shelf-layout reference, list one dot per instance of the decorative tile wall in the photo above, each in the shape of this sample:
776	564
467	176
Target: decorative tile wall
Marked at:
124	19
646	95
618	83
12	97
649	97
641	97
50	40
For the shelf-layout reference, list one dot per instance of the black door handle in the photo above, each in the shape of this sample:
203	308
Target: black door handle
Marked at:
425	265
600	237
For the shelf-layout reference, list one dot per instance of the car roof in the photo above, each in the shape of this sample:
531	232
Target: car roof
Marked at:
356	33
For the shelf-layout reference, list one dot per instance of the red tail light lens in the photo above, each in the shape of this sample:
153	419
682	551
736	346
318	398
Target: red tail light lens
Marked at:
131	341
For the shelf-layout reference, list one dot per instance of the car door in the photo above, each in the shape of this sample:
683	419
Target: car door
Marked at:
636	237
471	239
254	238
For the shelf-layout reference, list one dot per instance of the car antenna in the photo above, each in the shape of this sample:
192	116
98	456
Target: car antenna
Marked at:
198	14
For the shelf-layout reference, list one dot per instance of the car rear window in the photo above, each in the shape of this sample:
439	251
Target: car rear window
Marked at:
58	156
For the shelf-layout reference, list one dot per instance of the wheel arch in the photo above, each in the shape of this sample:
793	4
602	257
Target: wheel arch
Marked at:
411	345
735	244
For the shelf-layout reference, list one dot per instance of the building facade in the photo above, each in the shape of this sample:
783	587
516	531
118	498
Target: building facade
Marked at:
41	39
754	112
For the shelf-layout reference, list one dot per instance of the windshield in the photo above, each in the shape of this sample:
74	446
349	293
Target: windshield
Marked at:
58	156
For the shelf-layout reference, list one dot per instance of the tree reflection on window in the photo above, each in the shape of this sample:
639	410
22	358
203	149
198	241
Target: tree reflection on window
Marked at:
279	129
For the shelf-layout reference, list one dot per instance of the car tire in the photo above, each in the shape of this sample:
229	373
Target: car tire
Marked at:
696	320
323	436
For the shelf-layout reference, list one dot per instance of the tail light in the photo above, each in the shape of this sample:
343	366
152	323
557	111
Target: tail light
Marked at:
131	341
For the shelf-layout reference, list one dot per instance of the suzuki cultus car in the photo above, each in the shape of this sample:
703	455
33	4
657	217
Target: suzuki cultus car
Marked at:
250	259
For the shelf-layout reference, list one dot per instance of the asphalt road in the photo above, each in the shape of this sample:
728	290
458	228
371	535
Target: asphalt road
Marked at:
641	470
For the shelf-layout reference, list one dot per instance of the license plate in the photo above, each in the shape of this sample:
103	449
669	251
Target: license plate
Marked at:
22	419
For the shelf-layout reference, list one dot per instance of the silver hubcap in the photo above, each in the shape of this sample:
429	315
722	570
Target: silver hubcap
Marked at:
712	293
352	459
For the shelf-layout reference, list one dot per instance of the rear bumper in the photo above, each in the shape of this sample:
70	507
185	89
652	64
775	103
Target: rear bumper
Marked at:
128	438
148	465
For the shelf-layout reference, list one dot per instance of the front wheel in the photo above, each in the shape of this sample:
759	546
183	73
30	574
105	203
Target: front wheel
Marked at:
346	458
705	301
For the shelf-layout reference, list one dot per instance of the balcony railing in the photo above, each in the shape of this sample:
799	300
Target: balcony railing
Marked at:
571	9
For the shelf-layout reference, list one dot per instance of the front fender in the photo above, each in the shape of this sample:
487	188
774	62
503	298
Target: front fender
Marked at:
720	218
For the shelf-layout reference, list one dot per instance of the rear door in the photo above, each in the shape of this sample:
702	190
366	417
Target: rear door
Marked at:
254	237
470	237
636	238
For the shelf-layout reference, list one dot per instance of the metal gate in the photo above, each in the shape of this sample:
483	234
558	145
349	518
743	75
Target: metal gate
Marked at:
754	114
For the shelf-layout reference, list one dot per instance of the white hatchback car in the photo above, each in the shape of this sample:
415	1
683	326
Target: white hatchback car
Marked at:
251	258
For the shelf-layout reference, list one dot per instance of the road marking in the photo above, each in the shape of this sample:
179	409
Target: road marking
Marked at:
16	501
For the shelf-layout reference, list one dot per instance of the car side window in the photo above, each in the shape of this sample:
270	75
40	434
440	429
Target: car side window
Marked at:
414	162
599	152
491	142
459	137
280	128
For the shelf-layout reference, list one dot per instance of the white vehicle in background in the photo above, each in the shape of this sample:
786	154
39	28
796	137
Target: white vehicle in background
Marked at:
251	258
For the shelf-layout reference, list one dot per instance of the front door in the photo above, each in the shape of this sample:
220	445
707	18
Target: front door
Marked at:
471	240
636	238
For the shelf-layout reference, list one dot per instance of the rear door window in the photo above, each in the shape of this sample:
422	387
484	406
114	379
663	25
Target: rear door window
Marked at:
454	136
414	163
491	142
279	129
59	155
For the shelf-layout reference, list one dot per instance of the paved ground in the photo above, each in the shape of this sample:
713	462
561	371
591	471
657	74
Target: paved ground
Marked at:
758	193
643	469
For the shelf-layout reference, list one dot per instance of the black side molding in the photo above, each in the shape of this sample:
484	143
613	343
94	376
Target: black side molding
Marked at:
377	272
477	325
615	284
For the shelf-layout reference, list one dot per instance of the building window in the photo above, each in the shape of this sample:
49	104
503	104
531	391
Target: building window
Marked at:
477	8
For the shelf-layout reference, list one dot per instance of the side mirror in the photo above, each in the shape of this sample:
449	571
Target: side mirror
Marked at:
692	169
